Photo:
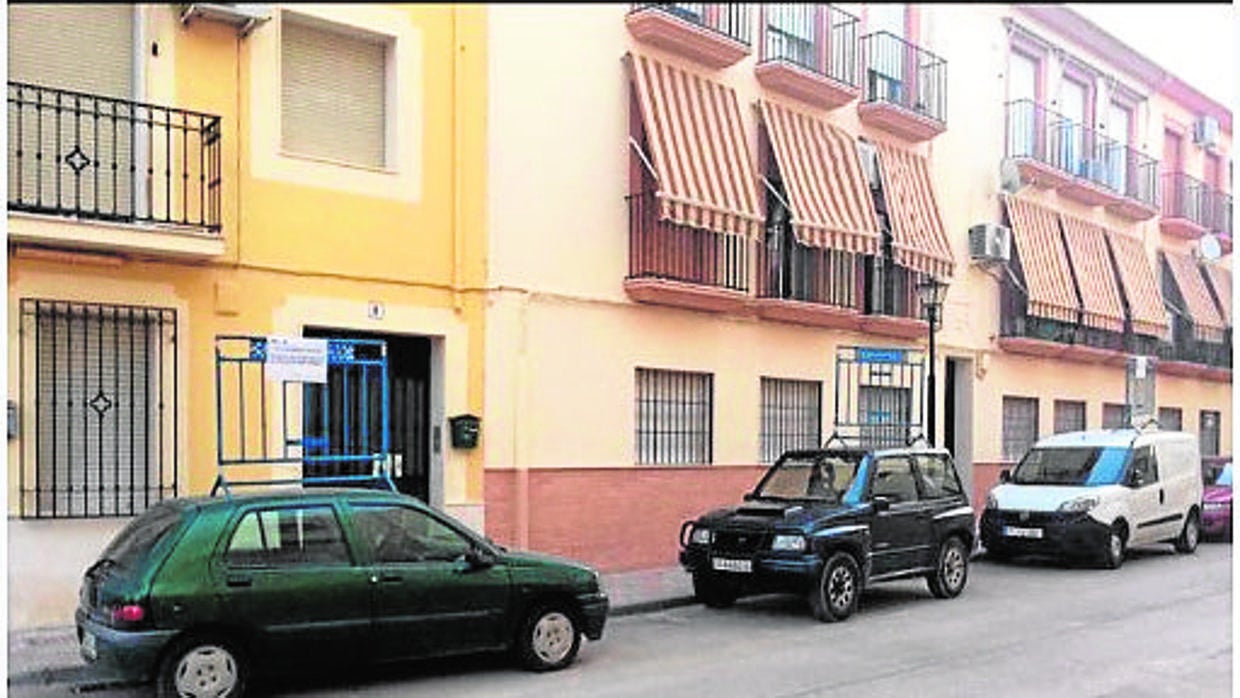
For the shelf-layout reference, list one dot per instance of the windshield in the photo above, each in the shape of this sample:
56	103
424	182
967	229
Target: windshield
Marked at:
131	546
822	477
1076	466
1224	477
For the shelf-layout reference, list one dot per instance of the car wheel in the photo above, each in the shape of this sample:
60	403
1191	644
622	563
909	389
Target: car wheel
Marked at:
838	589
1114	547
713	592
1190	535
202	666
549	638
952	571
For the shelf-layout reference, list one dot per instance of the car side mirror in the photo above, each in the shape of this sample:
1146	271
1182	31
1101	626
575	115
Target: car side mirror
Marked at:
478	559
749	497
1135	479
1005	475
882	503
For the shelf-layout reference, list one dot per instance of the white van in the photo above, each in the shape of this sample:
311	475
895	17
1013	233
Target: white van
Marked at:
1096	493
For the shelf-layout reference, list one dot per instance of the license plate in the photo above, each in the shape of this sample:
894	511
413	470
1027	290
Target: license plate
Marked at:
88	646
725	565
1018	532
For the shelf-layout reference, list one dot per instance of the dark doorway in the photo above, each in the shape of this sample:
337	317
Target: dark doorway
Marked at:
409	380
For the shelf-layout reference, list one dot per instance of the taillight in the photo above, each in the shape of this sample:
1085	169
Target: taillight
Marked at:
129	613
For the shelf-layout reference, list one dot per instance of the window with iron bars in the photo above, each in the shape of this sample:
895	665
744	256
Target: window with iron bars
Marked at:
1113	415
1170	418
1020	426
1209	432
791	416
98	409
886	415
675	417
1069	416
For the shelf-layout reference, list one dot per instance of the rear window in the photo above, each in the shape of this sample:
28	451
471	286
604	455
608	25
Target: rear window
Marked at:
134	543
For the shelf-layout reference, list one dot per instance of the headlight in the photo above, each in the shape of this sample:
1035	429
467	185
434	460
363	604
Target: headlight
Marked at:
992	502
789	543
1078	505
702	536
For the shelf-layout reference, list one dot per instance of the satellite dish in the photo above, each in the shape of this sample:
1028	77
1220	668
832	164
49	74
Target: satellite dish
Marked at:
1009	177
1209	247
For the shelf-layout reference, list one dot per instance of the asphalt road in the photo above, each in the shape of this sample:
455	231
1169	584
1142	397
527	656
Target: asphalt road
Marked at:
1159	626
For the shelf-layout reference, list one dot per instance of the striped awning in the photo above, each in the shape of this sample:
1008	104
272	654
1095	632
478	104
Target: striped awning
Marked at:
1220	278
1035	230
1095	277
1207	324
1140	284
920	242
827	191
698	147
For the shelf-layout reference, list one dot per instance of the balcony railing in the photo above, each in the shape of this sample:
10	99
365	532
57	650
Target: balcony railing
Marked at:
892	290
1217	212
1015	322
1037	133
1186	198
664	250
904	74
819	38
92	157
730	20
792	271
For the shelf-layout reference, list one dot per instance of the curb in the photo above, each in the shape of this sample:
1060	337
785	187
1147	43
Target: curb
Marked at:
651	606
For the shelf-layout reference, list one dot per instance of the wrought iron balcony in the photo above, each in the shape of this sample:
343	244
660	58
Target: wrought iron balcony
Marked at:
1218	212
1081	162
905	87
715	34
97	158
1186	205
660	250
810	52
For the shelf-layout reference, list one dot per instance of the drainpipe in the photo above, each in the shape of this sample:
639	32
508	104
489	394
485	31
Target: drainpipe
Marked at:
458	50
521	380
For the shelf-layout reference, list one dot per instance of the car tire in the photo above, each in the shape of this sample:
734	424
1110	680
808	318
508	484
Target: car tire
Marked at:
203	665
713	592
837	590
1115	547
550	638
951	570
1190	535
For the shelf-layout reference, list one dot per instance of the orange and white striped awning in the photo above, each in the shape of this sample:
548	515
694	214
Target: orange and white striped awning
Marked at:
919	240
1207	323
1220	278
1095	277
1035	230
1140	284
698	146
828	192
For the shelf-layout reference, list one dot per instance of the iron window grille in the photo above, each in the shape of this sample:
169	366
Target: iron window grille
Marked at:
1020	426
675	417
1209	431
1170	418
1069	416
98	399
791	416
1113	415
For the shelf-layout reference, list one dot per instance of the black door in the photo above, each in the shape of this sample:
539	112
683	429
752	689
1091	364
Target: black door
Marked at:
346	413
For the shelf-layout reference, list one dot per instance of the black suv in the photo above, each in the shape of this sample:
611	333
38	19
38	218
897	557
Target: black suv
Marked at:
827	523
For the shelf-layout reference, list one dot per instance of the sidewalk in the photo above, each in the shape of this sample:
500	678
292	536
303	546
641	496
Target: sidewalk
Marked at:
49	656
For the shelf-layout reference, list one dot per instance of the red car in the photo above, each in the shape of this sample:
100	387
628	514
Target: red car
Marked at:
1216	506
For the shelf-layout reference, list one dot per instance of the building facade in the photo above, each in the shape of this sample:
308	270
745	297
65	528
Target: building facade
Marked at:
709	222
177	175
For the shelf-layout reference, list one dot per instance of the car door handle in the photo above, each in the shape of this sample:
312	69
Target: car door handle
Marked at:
1162	497
239	580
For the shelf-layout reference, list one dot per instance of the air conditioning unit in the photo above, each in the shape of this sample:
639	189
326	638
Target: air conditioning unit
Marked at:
243	16
1205	132
990	242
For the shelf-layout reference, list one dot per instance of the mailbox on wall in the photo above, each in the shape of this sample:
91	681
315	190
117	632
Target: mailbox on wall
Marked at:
464	430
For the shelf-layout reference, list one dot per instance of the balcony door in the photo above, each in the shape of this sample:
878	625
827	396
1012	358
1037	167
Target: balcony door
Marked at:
1072	100
887	57
1023	91
72	146
1119	126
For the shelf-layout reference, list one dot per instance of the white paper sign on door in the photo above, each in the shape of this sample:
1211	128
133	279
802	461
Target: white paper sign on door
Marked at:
297	359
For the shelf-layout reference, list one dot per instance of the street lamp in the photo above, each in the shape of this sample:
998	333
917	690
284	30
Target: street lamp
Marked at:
930	292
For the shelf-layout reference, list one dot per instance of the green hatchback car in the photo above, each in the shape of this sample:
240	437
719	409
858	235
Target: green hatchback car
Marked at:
199	594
